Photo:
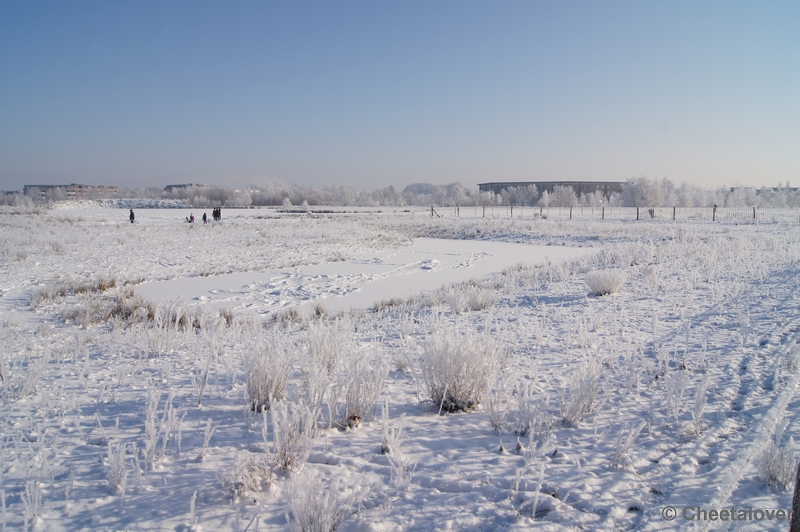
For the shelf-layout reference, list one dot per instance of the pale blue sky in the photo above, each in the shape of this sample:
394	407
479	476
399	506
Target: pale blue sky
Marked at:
378	93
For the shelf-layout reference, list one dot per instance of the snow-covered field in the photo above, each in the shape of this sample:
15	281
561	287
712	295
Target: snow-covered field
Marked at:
132	355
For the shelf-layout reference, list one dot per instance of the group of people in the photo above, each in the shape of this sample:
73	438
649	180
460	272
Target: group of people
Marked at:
215	213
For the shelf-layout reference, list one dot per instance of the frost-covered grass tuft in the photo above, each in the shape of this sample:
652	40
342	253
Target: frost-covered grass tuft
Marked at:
364	384
250	473
287	316
497	404
293	425
70	287
328	343
20	378
457	370
583	390
605	282
625	439
314	507
466	297
268	367
391	434
778	464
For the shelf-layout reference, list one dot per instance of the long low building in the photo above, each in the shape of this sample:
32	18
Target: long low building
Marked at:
580	187
71	191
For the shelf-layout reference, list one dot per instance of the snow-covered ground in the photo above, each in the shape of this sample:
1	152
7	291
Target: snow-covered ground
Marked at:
610	409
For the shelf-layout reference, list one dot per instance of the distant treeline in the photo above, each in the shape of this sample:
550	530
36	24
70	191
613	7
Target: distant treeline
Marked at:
636	192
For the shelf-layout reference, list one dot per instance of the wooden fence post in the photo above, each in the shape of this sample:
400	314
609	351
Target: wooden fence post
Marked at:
570	213
795	524
673	213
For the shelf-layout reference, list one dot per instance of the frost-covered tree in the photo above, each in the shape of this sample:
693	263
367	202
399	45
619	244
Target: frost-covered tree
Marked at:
642	192
487	198
544	199
614	200
563	196
440	195
240	198
592	199
742	197
514	196
344	195
387	197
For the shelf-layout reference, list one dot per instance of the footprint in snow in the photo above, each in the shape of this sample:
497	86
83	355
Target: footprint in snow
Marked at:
429	264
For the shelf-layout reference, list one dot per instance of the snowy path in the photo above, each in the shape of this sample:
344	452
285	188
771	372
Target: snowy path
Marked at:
716	462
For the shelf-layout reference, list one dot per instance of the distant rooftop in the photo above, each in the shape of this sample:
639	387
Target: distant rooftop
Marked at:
170	188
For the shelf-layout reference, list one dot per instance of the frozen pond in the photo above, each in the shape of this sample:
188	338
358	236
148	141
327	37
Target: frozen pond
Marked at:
425	265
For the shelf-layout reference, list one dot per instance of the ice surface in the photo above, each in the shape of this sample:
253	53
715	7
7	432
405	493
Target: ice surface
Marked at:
360	282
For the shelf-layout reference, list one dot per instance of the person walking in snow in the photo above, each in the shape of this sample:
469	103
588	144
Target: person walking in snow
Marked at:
205	219
132	216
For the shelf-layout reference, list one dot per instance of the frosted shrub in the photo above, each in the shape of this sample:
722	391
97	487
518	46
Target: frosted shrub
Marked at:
650	276
480	298
406	325
293	425
777	464
32	502
792	359
625	439
675	384
497	405
314	507
117	474
363	387
696	428
466	297
400	360
532	416
328	343
403	467
32	376
249	473
268	367
456	299
584	387
456	370
605	282
391	435
68	286
131	308
287	316
163	329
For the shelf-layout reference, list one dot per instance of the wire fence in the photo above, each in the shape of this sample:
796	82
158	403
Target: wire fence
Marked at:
709	214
